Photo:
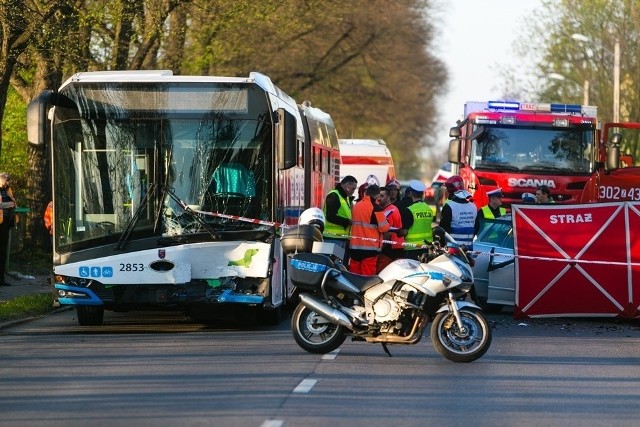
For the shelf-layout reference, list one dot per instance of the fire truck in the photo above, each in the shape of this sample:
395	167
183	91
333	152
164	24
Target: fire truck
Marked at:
519	146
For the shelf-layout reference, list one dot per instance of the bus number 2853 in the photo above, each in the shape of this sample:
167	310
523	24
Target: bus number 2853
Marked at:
131	267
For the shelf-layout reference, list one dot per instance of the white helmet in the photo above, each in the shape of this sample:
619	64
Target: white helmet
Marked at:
312	216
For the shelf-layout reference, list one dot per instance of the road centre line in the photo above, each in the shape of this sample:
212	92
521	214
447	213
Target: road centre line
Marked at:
305	386
332	355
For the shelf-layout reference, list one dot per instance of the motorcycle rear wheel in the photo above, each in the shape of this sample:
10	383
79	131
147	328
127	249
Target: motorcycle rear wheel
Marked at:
314	333
460	347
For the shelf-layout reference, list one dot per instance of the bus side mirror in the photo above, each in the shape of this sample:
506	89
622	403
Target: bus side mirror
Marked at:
37	111
286	139
38	115
454	132
613	152
454	151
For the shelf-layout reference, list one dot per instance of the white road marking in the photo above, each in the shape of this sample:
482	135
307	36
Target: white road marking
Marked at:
272	423
332	355
305	386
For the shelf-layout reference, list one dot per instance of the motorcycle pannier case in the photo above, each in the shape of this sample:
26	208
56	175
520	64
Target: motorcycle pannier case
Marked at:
300	239
308	270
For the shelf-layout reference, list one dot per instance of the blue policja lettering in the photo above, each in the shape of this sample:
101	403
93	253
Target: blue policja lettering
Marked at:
570	218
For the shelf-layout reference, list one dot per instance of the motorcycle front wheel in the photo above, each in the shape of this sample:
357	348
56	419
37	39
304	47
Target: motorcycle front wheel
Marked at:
314	333
461	345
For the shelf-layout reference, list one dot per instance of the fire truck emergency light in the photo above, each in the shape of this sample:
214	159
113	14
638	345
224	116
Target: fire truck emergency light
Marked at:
504	105
547	108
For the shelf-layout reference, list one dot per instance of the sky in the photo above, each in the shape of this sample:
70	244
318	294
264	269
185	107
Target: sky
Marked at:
476	41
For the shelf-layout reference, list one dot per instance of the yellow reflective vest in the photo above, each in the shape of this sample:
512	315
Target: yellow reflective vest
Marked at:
487	214
421	230
337	231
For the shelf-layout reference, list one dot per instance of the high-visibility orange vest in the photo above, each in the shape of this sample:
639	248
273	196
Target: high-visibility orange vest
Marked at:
48	217
392	213
364	234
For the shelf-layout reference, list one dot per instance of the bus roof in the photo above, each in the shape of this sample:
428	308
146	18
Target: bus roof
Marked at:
156	76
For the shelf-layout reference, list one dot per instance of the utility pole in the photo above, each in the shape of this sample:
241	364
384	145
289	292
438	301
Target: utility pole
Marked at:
616	82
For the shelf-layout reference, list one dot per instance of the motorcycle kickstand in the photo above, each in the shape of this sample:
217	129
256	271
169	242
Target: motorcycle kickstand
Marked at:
386	350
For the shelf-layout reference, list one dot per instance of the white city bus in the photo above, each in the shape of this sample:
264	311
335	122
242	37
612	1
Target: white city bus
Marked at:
171	191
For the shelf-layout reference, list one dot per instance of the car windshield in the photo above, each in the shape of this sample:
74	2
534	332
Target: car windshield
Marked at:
497	232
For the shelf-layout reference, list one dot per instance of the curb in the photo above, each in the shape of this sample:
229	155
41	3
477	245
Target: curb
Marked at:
15	322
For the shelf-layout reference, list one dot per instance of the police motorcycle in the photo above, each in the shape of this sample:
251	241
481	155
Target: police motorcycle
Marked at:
393	307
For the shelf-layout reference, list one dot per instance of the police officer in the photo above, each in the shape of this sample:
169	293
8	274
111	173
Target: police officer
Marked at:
417	222
337	212
492	210
458	214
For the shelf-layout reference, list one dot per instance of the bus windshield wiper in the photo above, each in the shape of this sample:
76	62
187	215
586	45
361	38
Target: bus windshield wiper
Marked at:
134	219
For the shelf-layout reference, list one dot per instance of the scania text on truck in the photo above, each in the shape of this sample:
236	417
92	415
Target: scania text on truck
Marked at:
368	160
519	146
170	191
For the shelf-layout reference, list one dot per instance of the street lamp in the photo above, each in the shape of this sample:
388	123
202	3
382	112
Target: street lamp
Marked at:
580	37
585	86
616	73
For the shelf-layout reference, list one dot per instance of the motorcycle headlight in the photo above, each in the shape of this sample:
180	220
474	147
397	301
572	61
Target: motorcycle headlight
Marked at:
465	286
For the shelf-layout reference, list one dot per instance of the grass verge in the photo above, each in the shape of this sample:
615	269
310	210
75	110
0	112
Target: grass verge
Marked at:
26	306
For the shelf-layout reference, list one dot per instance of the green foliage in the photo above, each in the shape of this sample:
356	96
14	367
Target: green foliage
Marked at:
26	306
586	60
13	158
31	260
365	62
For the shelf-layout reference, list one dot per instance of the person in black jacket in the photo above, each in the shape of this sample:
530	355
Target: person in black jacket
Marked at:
337	212
7	213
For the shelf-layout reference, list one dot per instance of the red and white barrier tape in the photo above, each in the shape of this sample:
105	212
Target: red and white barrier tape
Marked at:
413	245
242	218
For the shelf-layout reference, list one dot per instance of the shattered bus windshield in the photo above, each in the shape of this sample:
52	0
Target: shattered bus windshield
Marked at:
151	156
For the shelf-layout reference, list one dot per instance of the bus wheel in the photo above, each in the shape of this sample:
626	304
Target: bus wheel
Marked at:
90	315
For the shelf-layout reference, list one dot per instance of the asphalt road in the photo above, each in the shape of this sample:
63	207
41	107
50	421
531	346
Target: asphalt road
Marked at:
166	370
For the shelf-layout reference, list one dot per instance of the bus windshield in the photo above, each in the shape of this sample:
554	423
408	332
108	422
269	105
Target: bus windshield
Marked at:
544	150
120	164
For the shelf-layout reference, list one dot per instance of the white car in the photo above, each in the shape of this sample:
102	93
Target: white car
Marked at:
494	269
